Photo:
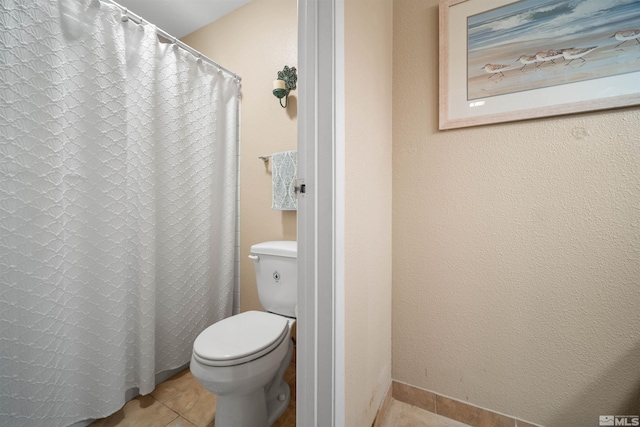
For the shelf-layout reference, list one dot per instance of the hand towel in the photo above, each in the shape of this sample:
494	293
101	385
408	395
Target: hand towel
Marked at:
284	170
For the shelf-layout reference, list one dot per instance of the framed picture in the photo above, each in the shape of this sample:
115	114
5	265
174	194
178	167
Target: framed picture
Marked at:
504	60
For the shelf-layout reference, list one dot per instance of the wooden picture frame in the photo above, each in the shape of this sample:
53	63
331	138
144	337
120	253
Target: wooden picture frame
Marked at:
505	60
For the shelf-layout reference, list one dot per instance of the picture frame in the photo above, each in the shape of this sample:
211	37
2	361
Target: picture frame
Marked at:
506	60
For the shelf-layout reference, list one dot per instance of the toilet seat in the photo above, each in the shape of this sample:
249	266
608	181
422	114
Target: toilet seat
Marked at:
240	338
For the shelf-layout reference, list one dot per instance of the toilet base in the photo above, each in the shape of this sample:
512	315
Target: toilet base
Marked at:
276	407
259	408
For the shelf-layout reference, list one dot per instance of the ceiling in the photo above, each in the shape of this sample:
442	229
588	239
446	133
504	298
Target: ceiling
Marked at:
181	17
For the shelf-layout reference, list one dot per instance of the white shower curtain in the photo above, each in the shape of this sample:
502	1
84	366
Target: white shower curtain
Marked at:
118	169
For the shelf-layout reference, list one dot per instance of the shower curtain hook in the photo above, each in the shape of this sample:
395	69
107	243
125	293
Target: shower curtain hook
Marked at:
124	17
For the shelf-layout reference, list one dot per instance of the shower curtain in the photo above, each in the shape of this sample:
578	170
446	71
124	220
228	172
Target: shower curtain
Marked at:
118	169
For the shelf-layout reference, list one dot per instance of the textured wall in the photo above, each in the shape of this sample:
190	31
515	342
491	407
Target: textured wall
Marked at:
516	250
368	81
256	41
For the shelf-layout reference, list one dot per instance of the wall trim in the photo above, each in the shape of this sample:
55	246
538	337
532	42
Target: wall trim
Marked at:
320	358
446	406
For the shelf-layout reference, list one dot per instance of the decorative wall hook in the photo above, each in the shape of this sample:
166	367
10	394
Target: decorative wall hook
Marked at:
286	82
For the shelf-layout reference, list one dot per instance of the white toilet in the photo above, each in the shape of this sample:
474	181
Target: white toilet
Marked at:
242	359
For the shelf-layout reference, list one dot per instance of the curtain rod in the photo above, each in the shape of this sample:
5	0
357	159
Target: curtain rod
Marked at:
141	21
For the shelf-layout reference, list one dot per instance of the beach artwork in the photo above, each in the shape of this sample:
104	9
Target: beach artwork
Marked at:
533	44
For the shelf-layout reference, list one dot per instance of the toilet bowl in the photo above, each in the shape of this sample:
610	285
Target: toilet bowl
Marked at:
242	359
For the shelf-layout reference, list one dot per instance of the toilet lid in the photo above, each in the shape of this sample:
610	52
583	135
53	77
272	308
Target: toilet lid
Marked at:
240	338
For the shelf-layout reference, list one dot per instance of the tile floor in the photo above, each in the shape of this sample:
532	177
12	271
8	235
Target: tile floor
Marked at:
400	414
181	401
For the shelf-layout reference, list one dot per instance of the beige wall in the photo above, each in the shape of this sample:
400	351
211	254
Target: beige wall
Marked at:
516	247
516	250
256	41
368	80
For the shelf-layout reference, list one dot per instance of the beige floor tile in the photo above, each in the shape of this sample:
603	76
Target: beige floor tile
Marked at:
402	414
143	411
195	403
415	416
470	414
181	401
169	388
180	422
393	413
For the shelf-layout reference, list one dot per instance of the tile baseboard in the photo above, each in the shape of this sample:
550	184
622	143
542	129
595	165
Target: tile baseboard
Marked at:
457	410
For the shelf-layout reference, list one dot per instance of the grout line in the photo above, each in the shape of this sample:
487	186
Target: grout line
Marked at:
175	412
435	404
169	424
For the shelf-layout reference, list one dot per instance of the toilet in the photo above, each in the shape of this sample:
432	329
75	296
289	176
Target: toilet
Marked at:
242	359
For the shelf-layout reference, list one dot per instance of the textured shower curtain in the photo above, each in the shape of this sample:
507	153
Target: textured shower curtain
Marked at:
118	159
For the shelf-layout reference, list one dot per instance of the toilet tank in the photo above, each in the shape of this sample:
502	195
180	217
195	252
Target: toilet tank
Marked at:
275	264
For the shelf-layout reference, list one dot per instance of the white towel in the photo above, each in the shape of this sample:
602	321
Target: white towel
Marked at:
284	170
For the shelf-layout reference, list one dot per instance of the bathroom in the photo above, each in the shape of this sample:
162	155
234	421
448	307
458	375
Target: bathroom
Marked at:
495	265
